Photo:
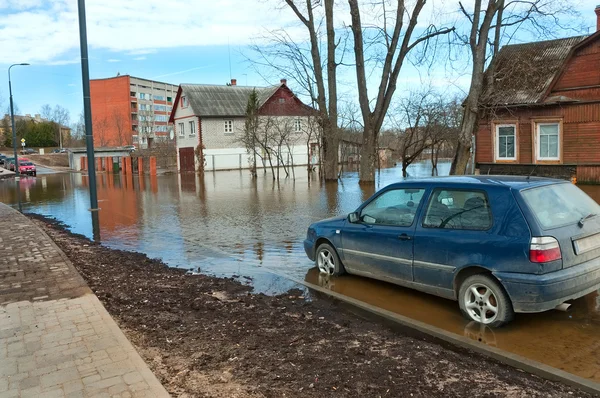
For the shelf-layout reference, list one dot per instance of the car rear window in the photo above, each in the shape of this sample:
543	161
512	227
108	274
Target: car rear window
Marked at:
558	205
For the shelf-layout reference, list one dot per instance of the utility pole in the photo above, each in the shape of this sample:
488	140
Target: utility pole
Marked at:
12	121
87	107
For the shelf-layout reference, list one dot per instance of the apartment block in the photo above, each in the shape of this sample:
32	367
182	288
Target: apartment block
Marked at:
128	110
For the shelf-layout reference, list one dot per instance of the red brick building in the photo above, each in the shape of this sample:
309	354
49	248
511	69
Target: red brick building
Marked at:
540	112
129	110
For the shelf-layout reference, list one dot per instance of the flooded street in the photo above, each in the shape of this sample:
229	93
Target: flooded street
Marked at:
229	225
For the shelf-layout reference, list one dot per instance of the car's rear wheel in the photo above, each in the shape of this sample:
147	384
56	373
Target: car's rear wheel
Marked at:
327	260
482	299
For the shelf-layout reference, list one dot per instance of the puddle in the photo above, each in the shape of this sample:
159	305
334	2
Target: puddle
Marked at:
564	340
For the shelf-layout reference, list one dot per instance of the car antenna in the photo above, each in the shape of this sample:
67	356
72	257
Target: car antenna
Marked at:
532	171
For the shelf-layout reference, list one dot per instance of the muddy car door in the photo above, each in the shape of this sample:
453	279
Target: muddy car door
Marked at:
380	243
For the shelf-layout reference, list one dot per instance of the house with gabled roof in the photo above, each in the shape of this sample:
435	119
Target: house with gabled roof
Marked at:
540	110
209	123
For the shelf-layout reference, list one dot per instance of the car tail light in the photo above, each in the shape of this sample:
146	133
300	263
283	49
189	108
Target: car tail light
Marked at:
544	250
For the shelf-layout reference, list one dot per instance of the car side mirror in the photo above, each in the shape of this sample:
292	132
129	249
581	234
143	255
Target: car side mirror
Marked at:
353	217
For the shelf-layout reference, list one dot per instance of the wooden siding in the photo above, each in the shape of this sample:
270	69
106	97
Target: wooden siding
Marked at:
580	134
583	69
589	174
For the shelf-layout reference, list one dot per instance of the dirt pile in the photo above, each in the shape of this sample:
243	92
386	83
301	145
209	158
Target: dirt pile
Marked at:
211	337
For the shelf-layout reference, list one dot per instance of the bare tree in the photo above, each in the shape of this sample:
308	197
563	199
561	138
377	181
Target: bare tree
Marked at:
311	16
488	25
101	131
249	136
60	117
146	127
122	128
398	44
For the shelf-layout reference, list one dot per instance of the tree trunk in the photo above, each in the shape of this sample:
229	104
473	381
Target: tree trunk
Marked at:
433	161
367	158
461	159
330	152
469	124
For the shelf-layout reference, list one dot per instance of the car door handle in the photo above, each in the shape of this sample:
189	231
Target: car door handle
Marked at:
404	237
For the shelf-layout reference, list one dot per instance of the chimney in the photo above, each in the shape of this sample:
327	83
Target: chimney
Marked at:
234	82
283	81
597	10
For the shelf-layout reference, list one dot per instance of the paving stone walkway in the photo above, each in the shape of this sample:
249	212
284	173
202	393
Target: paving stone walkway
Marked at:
56	338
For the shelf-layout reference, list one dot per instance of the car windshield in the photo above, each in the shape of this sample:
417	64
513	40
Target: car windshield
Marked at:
558	205
26	164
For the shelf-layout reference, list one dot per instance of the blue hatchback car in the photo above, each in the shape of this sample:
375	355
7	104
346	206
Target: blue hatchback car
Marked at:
497	244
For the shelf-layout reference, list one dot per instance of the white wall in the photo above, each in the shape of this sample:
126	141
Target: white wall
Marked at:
232	158
214	136
187	140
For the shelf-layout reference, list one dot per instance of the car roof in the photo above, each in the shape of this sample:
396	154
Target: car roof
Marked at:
512	182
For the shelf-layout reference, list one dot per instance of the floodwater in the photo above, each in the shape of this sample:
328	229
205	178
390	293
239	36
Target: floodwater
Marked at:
226	224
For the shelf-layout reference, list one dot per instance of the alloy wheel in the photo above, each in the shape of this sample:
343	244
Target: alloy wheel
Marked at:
481	303
326	262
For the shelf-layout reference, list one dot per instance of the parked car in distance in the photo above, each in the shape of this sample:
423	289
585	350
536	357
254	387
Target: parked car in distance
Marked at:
2	159
28	151
9	164
27	168
130	148
59	150
497	244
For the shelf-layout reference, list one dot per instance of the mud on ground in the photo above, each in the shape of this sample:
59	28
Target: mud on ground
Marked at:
210	337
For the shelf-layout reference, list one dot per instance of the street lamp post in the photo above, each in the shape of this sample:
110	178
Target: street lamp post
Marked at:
12	121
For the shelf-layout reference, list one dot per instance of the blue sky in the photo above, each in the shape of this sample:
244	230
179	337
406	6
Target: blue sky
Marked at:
176	41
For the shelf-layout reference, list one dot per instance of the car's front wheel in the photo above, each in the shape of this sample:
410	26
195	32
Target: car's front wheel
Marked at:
482	299
327	260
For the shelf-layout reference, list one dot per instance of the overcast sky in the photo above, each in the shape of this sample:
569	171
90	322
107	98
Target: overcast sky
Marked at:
177	41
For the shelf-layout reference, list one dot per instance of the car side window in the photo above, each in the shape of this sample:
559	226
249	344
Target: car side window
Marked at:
396	207
458	209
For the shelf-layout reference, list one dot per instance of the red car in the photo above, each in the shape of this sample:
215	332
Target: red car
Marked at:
27	168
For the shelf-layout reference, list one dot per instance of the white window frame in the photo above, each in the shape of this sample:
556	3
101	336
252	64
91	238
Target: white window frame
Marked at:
228	126
538	140
181	129
497	142
184	102
298	125
192	128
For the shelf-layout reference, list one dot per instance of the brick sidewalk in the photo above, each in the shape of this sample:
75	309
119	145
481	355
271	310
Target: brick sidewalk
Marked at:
56	338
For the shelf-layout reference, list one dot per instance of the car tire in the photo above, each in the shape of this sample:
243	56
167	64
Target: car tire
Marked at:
482	299
328	261
35	173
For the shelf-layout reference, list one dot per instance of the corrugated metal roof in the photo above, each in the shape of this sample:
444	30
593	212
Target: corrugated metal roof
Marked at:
213	100
524	72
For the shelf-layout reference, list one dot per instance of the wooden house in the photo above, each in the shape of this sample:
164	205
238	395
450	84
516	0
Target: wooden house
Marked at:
540	110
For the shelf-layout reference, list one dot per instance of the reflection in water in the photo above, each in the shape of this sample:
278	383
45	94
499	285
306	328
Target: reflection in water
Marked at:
480	332
228	224
565	340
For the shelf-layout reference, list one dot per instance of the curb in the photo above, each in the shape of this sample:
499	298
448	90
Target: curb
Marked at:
420	329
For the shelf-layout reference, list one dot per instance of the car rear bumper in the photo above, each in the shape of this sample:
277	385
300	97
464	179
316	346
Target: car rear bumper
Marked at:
309	248
537	293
